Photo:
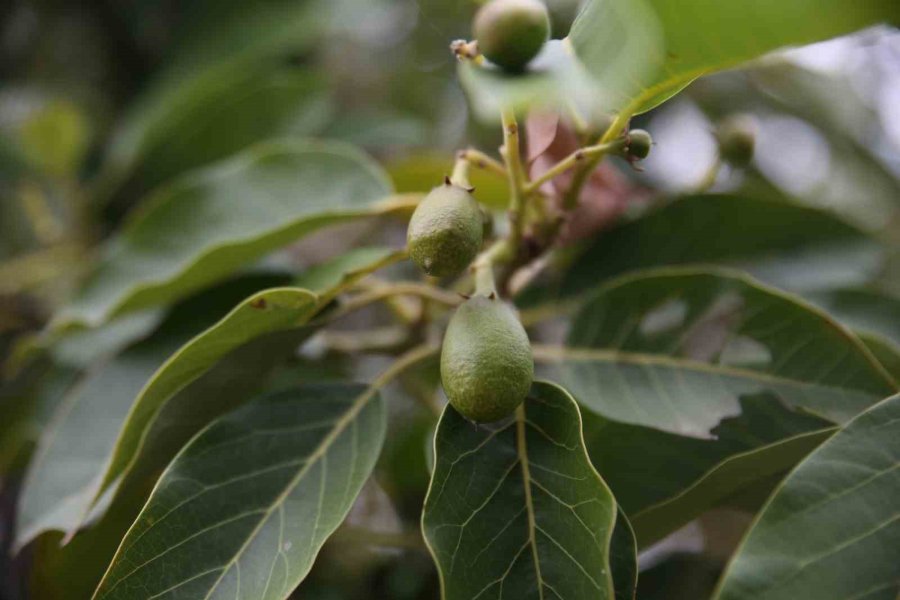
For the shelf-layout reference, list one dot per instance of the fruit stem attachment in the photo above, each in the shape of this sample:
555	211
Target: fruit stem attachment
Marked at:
512	155
576	158
615	129
501	251
460	174
480	160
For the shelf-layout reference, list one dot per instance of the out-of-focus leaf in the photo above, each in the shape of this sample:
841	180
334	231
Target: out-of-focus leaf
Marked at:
210	223
74	448
147	373
830	530
225	116
867	310
246	506
678	42
225	55
631	55
55	138
887	353
790	246
421	173
675	349
515	509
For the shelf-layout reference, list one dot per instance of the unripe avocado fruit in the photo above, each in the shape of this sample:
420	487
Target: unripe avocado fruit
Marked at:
737	140
445	231
511	32
486	362
639	143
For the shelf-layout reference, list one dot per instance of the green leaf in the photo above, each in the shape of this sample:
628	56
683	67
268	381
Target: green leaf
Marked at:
678	42
675	349
623	558
728	477
73	471
887	353
224	62
332	273
229	112
663	481
631	55
210	223
243	510
790	246
864	309
65	473
830	530
515	509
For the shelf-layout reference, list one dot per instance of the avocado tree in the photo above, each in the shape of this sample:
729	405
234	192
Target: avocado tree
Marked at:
257	390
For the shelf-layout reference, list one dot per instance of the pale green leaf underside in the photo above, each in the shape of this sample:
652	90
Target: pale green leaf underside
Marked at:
243	510
676	349
632	55
515	510
680	41
209	223
830	531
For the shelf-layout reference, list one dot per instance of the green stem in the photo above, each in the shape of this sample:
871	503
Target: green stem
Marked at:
517	180
480	160
576	158
570	200
460	174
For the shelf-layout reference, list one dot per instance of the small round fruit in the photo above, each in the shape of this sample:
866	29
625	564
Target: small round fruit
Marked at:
486	362
639	143
445	231
737	140
511	32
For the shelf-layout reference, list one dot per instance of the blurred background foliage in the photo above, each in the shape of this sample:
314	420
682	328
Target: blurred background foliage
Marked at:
103	101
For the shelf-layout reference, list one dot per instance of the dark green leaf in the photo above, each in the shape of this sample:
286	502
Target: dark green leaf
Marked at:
65	474
676	349
246	506
515	509
830	530
887	353
72	470
867	310
623	558
210	223
651	471
790	246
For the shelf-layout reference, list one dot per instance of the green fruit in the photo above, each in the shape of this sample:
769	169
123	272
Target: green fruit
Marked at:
511	32
639	143
737	140
486	362
445	231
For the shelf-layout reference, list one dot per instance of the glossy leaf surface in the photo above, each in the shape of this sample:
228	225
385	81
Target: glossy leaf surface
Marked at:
515	509
830	530
243	510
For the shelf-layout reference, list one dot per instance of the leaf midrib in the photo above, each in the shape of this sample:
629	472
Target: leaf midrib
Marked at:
320	450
